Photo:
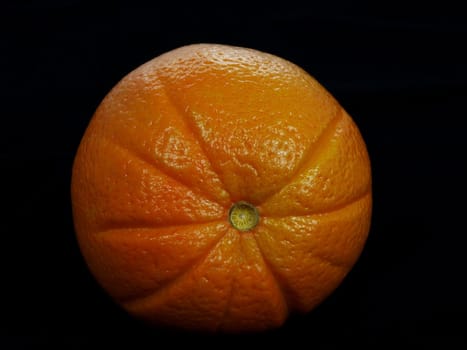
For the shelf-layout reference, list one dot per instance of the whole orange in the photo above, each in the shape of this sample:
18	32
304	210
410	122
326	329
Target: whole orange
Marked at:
220	188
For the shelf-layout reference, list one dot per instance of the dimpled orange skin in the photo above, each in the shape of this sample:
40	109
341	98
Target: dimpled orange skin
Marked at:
181	139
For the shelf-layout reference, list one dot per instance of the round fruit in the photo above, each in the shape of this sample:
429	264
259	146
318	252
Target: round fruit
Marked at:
220	188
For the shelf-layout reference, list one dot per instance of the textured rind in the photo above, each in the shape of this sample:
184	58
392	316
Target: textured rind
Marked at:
231	289
310	255
336	172
175	144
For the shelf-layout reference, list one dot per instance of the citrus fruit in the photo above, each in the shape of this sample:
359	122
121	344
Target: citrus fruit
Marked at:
220	188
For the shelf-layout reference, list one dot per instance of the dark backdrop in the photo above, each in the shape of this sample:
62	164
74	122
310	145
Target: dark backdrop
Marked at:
399	70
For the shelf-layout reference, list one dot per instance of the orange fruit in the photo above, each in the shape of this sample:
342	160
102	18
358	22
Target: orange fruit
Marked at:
220	188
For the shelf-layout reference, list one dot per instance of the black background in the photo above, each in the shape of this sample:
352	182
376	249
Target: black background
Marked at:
399	70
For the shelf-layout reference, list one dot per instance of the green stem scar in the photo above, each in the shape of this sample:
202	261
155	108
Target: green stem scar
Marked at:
243	216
